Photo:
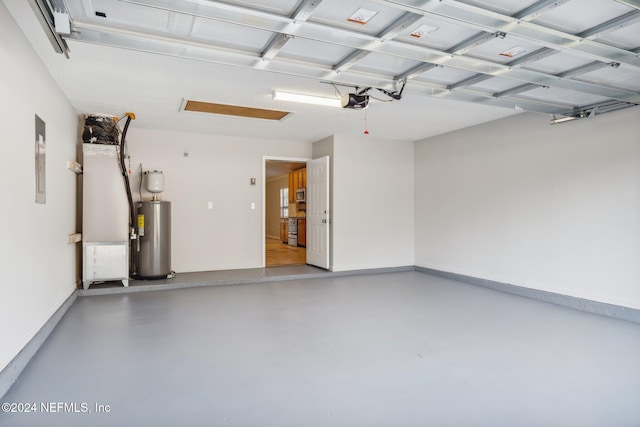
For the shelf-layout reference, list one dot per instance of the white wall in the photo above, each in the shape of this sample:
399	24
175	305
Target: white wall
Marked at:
38	272
272	205
373	209
555	208
218	170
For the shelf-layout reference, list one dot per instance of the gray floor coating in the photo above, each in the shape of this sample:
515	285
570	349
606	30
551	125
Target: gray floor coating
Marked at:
396	349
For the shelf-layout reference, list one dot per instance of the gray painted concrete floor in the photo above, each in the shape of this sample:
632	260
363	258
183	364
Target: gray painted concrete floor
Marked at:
209	278
397	349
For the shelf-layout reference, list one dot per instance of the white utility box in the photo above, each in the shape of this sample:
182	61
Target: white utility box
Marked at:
105	216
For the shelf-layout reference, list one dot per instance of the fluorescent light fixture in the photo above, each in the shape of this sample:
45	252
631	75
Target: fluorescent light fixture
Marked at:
306	99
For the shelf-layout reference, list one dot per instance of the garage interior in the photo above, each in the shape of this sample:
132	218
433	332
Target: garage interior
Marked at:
482	218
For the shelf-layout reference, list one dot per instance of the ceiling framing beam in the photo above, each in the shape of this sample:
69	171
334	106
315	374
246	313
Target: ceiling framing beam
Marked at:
536	55
415	71
475	41
587	68
239	15
243	16
469	81
611	25
392	30
486	20
631	3
515	90
537	9
303	11
274	46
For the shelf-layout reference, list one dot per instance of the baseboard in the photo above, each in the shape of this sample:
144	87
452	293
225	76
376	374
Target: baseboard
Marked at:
590	306
12	371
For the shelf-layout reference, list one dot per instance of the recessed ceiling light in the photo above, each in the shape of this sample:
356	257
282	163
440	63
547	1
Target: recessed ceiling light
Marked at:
362	16
514	51
307	99
423	30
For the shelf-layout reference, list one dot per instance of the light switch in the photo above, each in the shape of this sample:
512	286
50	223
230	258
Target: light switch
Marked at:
210	205
253	205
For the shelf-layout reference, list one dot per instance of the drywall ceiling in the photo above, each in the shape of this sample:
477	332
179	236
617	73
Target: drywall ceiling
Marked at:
461	62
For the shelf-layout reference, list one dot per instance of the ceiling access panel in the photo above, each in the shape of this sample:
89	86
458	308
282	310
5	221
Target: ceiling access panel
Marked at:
492	49
562	96
443	38
335	13
505	7
577	16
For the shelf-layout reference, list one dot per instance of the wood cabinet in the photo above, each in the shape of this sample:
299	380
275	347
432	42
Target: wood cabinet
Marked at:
297	179
292	190
284	230
302	232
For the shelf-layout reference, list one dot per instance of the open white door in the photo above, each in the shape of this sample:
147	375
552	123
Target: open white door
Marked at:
318	212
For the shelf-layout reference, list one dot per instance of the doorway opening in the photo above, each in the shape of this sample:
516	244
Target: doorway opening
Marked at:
284	230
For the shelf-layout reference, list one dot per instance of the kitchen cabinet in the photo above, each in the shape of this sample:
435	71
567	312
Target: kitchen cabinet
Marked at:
297	179
284	230
302	232
292	190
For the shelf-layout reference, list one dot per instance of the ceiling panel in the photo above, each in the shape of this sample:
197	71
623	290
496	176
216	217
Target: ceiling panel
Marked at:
314	51
281	7
336	13
626	38
443	75
492	49
557	63
506	7
230	35
305	43
618	77
580	15
127	14
495	85
385	64
446	36
567	97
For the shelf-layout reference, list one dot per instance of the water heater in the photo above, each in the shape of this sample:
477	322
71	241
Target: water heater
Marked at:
154	234
154	231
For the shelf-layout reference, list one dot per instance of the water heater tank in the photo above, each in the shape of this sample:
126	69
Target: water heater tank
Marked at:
155	182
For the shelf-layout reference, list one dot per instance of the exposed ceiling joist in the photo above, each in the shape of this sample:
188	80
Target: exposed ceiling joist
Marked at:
103	35
540	8
611	25
490	21
391	44
475	41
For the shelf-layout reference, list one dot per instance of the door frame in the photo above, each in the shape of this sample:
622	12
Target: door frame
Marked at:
264	196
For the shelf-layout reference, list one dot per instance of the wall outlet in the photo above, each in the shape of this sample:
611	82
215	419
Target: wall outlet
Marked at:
210	205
